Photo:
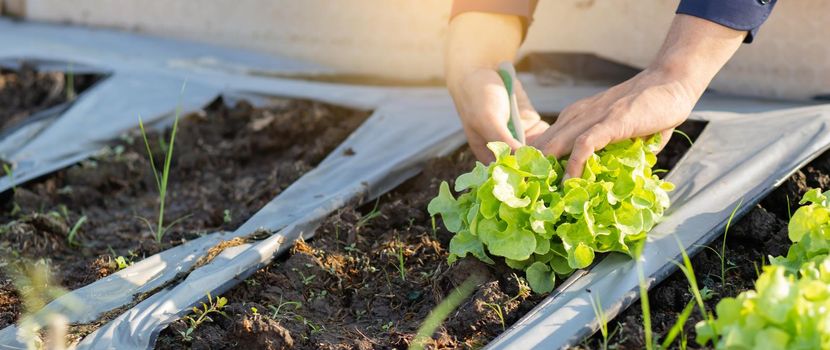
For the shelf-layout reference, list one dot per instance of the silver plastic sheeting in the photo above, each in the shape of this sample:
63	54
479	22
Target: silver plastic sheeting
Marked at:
736	158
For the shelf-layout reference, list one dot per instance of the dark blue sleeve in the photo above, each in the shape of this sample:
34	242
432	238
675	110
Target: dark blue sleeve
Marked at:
745	15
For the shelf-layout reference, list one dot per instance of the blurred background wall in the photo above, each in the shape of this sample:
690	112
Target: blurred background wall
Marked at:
403	39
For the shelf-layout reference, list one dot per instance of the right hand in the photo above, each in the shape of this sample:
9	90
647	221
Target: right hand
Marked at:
484	109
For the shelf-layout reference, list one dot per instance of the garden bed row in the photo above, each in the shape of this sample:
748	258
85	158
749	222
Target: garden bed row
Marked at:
90	220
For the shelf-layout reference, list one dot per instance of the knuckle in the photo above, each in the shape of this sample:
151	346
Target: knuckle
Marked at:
553	148
585	141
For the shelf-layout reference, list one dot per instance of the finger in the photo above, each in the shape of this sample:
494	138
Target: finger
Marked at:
558	142
558	139
571	112
491	116
532	121
498	133
479	147
595	138
665	136
535	131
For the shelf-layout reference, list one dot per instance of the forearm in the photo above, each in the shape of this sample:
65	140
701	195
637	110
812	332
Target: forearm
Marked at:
694	51
478	40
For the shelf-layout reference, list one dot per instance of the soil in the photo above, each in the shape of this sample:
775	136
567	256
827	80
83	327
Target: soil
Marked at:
27	91
228	162
346	289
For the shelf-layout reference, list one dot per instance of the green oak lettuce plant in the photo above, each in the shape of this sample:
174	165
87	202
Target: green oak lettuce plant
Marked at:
518	208
790	305
785	311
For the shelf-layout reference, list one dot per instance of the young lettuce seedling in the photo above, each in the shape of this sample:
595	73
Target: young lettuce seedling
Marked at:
517	208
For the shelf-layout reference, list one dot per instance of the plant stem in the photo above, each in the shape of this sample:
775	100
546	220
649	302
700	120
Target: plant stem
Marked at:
723	245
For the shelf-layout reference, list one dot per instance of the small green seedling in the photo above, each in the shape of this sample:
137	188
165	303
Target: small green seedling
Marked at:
163	177
722	254
122	263
602	318
498	311
278	313
74	231
305	279
70	83
161	180
202	315
524	288
700	295
401	267
10	174
227	216
365	219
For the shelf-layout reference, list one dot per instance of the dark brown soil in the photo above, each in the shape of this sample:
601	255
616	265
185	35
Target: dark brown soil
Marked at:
345	289
25	92
228	162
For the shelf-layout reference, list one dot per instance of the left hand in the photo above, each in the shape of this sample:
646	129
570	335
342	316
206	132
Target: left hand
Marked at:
649	103
654	101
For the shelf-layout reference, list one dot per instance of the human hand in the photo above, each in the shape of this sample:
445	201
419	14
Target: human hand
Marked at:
484	109
477	42
654	101
651	102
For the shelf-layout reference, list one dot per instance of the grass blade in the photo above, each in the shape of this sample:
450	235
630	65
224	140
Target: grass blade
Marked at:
440	312
646	309
677	328
684	135
74	231
723	245
149	153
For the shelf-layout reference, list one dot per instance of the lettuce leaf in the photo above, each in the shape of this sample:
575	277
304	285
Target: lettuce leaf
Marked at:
516	208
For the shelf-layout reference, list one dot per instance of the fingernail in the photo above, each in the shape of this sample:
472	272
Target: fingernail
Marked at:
566	177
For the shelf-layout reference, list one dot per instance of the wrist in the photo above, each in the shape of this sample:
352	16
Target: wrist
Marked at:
687	80
694	51
479	41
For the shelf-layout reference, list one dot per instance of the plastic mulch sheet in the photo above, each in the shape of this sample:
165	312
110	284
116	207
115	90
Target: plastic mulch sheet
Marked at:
408	127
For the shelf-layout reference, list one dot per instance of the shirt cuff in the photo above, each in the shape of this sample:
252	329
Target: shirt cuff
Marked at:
745	15
522	8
